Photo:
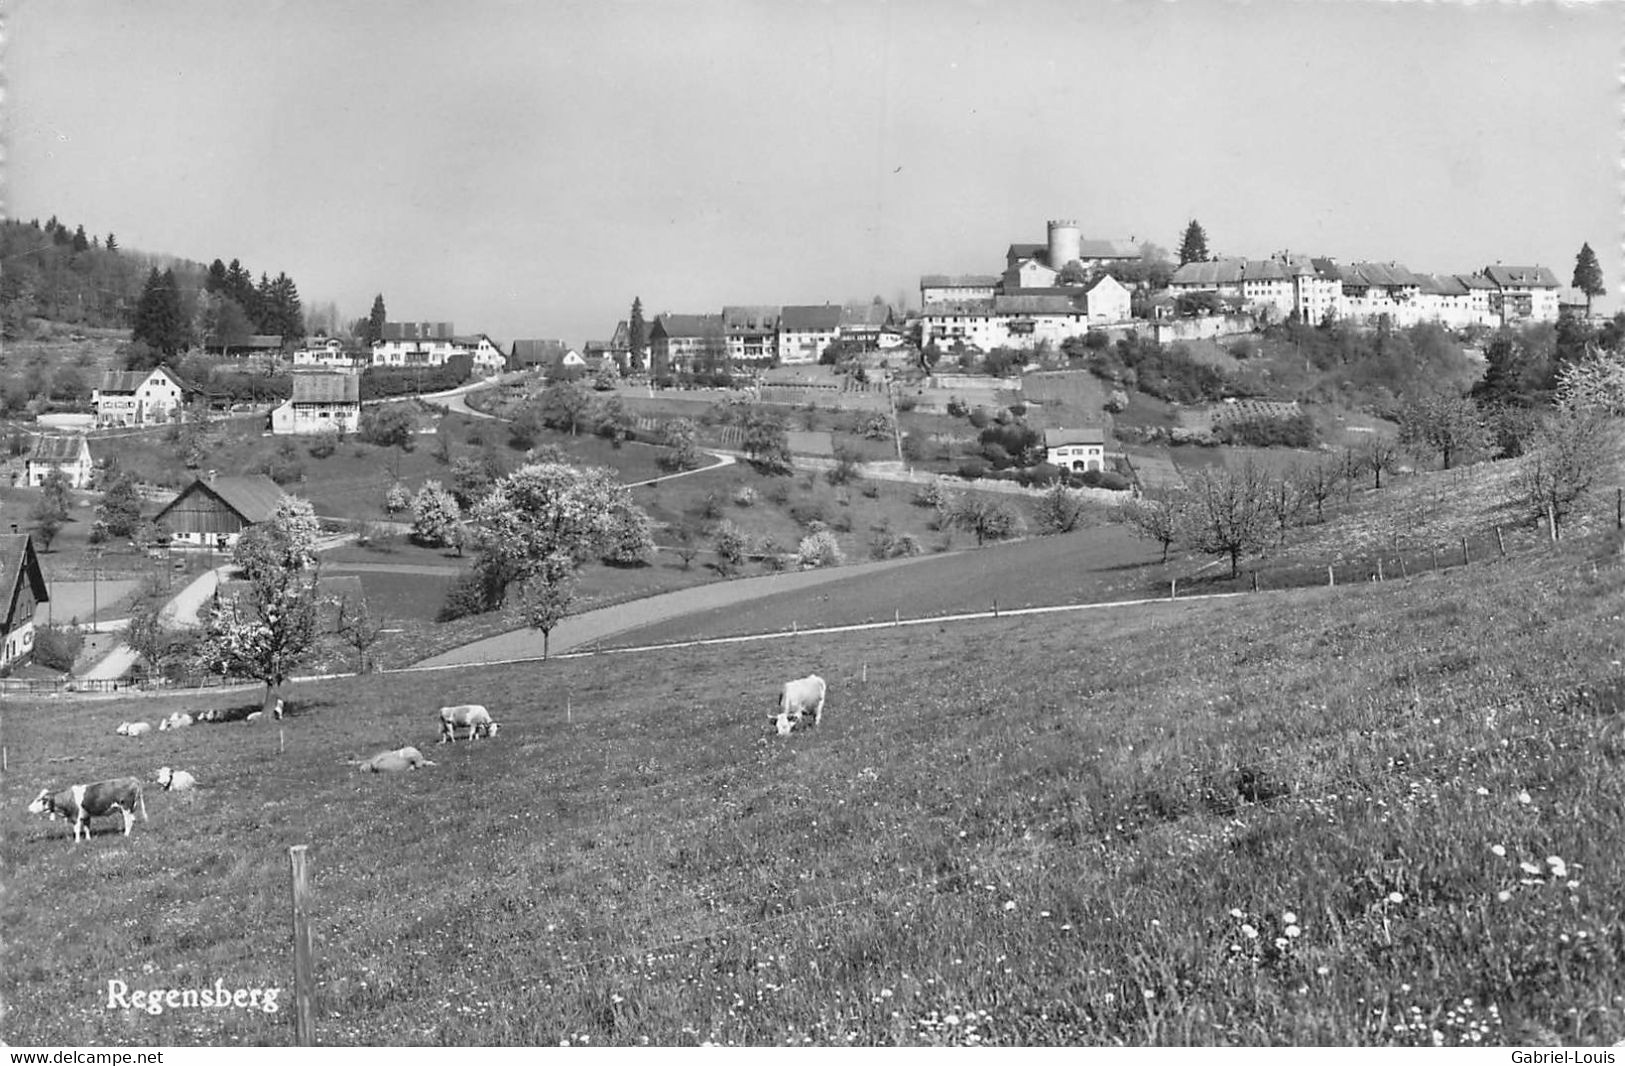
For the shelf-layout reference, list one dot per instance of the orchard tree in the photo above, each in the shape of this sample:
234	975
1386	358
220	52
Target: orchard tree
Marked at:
359	629
120	509
989	519
545	597
388	425
50	514
1568	456
1059	510
1318	481
542	511
1451	427
1593	383
265	631
397	499
1229	514
1380	455
1588	275
766	442
435	516
1193	246
1158	515
565	406
681	435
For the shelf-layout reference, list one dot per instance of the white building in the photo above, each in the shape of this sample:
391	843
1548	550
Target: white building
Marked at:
321	402
1076	450
805	331
71	455
1523	293
137	398
326	353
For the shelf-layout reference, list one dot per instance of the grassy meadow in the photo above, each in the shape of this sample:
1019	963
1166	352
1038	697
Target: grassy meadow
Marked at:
1381	814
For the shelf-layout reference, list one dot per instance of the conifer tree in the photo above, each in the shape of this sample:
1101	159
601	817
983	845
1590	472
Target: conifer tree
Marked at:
375	322
637	333
1193	248
1588	275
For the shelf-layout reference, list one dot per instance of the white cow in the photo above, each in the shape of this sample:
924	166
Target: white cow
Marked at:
798	698
471	716
254	716
134	729
178	720
388	762
175	780
81	803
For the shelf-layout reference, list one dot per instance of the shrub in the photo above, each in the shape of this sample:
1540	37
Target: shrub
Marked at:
907	402
1096	341
972	468
1105	479
1117	402
807	512
712	507
1043	474
466	597
324	444
870	490
56	648
778	493
980	418
841	523
772	555
957	407
931	495
819	549
744	496
731	546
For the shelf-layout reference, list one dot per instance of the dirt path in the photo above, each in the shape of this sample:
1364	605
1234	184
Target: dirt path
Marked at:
606	621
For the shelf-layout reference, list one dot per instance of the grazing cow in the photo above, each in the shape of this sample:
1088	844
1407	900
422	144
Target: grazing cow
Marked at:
175	780
388	762
254	716
276	709
799	697
178	720
81	803
133	729
471	716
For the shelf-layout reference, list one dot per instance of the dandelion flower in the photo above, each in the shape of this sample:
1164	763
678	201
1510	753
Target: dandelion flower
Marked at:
1289	918
1503	895
1523	797
1293	931
1498	851
1235	912
1150	993
952	1019
1482	791
1009	904
1529	868
1249	932
1396	897
1323	970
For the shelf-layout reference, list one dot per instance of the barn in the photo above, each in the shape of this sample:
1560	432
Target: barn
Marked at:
214	513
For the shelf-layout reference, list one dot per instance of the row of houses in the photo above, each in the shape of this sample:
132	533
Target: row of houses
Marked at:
321	400
758	335
1316	290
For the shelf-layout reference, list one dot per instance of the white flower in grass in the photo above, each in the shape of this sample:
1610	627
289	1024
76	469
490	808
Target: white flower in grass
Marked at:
1293	931
1396	897
1503	895
1529	868
1249	932
1009	904
1289	918
1498	851
1235	912
1482	791
1523	797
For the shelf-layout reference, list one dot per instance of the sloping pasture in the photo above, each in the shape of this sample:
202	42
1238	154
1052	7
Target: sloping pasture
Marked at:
1384	814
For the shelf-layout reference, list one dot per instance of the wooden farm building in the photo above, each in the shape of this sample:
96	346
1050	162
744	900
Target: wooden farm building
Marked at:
25	589
214	513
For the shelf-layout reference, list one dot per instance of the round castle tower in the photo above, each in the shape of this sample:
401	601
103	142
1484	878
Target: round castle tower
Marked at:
1065	242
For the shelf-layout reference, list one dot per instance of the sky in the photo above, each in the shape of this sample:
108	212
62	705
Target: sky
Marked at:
525	169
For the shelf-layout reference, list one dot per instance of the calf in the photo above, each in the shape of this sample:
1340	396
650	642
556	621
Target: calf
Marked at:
175	780
84	802
133	729
471	716
388	762
796	699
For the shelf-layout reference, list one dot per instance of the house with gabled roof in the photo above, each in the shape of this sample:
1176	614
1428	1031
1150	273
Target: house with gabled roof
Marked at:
140	397
1077	450
617	350
680	344
752	332
805	330
322	401
215	512
69	454
1523	293
23	584
553	357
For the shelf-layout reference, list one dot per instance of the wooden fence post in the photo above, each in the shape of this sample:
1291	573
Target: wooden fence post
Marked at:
1402	571
1551	520
281	741
897	616
1435	557
1499	543
1465	558
1379	568
303	983
1331	578
1619	508
1173	588
995	607
1255	580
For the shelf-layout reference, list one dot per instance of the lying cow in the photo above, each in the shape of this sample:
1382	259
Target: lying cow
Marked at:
471	716
388	762
175	780
81	803
798	698
133	729
178	720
